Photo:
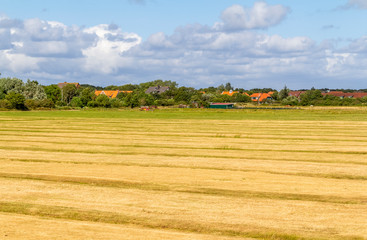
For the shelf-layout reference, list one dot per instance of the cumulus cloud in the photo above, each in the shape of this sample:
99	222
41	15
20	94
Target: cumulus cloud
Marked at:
105	55
195	55
35	45
261	15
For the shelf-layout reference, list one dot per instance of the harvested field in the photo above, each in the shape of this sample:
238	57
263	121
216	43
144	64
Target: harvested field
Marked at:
172	174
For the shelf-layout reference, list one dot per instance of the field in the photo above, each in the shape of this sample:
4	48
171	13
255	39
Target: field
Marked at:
184	174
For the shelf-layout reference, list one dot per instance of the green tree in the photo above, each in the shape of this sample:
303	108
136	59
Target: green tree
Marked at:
87	95
239	97
284	93
53	92
103	101
32	90
311	97
68	92
159	82
291	101
184	94
76	102
220	88
11	85
16	100
228	86
116	103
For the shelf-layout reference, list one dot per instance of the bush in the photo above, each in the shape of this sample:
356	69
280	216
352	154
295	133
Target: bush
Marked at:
76	102
5	104
60	104
16	100
46	103
31	104
35	104
116	103
103	101
92	104
290	100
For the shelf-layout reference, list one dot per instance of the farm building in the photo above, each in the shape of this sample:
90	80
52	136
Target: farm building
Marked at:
222	105
110	93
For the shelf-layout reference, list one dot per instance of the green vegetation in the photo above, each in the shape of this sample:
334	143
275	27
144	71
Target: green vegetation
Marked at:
310	114
70	96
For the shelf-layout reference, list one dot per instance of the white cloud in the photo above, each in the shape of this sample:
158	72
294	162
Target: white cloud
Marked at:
358	3
261	15
105	55
194	54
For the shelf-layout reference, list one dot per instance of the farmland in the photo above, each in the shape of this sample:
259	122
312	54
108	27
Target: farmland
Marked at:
184	174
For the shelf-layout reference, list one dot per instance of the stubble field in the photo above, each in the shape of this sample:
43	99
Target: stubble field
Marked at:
184	174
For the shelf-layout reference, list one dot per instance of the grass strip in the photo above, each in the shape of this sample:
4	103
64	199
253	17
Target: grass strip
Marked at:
303	174
69	213
40	149
185	189
191	148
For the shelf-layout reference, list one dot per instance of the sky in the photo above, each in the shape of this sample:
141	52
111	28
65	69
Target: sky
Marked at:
197	43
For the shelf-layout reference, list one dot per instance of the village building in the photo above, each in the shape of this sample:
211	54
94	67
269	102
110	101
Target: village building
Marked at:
260	97
110	93
296	94
343	95
156	90
229	93
61	85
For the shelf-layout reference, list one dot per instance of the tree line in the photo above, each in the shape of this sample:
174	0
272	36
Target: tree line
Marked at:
16	94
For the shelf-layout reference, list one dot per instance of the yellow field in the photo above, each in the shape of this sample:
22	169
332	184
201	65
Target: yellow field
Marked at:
157	178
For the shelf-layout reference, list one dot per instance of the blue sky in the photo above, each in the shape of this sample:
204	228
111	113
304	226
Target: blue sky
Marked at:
196	43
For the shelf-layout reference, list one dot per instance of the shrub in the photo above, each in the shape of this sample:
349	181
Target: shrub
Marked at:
60	104
290	100
92	104
31	104
16	100
76	102
116	103
103	101
5	104
46	103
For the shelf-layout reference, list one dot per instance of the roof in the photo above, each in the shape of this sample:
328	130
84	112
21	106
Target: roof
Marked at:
61	85
229	93
296	94
110	94
260	97
345	95
157	90
359	94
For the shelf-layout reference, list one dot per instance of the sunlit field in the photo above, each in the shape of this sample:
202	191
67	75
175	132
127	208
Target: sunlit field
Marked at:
184	174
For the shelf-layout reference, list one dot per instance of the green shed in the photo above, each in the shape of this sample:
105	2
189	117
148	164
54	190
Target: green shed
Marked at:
222	105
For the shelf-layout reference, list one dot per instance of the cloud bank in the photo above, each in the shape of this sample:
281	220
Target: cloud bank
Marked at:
358	3
232	50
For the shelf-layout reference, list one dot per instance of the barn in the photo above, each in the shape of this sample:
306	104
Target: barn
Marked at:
222	105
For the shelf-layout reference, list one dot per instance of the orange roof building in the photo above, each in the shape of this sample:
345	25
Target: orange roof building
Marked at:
110	93
229	93
260	97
